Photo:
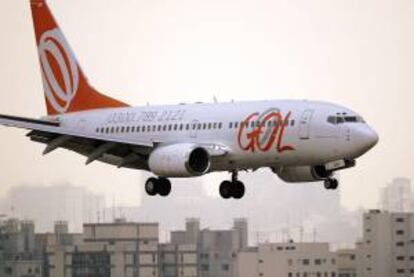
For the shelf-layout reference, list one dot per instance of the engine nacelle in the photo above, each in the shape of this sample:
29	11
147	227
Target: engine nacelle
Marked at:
302	174
179	160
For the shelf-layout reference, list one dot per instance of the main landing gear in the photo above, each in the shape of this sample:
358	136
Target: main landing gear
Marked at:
161	186
331	183
233	188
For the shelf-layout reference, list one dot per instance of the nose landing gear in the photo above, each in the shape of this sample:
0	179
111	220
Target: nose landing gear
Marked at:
331	183
161	186
233	188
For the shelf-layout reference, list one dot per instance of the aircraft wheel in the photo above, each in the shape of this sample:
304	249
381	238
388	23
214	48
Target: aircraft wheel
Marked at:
151	186
331	184
225	189
334	184
164	186
238	190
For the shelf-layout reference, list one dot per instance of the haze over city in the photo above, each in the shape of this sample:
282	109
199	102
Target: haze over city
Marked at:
358	54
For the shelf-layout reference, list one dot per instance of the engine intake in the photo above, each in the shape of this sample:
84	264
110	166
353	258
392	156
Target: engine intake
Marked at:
179	160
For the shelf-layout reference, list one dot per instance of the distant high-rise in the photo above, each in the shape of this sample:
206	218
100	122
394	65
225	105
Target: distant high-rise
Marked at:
398	196
54	203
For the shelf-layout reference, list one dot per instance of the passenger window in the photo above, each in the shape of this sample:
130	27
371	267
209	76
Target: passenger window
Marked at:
236	124
127	129
194	126
117	129
138	129
169	127
209	126
122	129
204	126
164	128
230	125
181	127
133	129
199	126
215	125
112	130
292	123
187	127
220	125
175	127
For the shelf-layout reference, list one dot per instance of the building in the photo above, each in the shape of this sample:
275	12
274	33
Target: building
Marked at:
18	254
287	260
387	247
47	204
217	249
178	260
108	249
397	196
346	260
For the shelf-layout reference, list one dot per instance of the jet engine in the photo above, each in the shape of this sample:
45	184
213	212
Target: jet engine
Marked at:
301	174
179	160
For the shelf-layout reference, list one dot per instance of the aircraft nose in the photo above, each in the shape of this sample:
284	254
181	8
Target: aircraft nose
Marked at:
366	138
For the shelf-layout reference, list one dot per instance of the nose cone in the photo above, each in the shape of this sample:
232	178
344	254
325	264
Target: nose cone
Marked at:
365	139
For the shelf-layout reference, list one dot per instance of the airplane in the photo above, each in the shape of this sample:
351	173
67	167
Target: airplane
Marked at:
300	141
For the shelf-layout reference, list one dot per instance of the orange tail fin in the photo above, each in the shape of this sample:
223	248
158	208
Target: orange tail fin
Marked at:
66	87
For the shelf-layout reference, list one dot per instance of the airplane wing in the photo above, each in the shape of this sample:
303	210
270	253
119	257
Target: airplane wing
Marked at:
121	152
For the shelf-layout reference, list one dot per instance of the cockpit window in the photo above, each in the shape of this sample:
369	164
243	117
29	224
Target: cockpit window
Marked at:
351	119
339	119
332	119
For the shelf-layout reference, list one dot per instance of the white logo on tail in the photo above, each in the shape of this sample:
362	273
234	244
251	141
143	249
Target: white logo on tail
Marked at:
53	43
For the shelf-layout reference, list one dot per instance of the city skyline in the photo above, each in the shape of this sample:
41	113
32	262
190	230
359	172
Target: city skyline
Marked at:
321	217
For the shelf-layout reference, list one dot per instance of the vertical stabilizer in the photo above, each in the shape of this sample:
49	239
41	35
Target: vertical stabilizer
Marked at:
65	86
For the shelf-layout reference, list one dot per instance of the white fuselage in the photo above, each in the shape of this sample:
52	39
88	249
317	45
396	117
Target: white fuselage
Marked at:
278	133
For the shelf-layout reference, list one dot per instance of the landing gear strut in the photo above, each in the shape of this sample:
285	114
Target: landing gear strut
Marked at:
161	186
331	183
233	188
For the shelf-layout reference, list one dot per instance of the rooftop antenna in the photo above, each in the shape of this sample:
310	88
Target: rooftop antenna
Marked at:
401	199
314	234
301	231
113	209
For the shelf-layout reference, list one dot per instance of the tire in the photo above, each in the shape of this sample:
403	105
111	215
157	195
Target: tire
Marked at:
327	184
164	187
151	186
225	189
334	184
238	190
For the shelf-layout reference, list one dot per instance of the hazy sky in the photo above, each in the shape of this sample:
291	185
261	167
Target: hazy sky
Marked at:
358	53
